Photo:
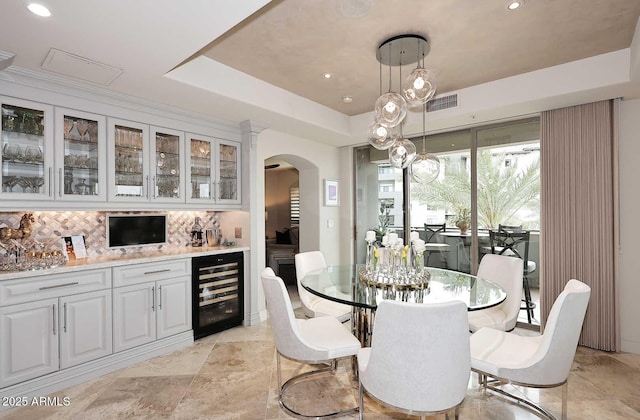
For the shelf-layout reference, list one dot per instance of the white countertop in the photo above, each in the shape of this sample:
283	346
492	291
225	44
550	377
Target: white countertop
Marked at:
91	263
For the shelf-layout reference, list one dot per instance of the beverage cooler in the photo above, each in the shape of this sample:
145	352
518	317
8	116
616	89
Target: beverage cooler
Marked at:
218	298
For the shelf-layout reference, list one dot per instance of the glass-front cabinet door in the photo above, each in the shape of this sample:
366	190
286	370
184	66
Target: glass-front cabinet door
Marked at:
201	150
128	161
167	168
81	159
27	150
228	176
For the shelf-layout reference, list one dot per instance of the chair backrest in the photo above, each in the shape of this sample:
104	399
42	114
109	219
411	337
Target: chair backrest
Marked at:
510	228
420	357
432	232
283	321
306	262
507	273
560	338
513	244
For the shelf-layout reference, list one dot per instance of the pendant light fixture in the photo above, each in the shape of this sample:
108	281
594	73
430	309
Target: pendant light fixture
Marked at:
426	166
385	132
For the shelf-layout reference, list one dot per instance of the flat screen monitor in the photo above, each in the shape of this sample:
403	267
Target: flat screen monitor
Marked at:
136	229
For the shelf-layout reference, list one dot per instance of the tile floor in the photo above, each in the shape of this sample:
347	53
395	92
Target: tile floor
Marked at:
231	375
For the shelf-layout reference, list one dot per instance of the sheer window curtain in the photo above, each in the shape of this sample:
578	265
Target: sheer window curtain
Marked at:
578	214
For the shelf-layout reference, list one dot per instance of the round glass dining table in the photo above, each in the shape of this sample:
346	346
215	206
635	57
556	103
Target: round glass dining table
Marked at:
345	284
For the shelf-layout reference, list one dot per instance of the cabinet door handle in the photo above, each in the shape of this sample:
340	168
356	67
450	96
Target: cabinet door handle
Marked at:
213	190
60	182
153	299
166	270
65	317
155	194
160	298
50	181
54	319
147	177
59	285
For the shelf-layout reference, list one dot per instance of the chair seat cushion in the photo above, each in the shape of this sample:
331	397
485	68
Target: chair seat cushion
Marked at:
495	352
363	358
324	307
328	334
493	318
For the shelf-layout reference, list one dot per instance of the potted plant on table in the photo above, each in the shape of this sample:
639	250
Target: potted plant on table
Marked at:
463	219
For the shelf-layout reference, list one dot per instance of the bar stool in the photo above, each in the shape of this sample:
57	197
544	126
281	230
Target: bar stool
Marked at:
516	244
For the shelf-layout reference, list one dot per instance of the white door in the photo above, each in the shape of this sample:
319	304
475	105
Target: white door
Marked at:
81	156
228	172
29	343
134	317
174	308
167	167
26	146
201	169
128	160
85	327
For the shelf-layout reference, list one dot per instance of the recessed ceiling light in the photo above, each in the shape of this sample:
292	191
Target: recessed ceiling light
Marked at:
347	99
515	4
327	75
38	9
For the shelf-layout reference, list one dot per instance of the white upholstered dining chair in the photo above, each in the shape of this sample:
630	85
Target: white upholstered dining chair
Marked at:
542	361
313	341
312	305
506	272
418	362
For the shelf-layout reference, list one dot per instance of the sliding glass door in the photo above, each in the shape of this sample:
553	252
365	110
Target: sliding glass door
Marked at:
489	177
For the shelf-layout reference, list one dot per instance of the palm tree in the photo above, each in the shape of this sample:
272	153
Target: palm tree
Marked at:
502	191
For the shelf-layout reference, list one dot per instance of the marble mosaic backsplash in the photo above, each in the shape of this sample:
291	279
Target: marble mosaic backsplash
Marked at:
52	225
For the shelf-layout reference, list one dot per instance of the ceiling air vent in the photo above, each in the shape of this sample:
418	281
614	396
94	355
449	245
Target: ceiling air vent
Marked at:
443	102
62	62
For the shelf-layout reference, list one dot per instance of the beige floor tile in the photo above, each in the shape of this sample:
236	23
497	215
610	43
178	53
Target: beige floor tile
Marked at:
225	395
260	332
147	397
243	355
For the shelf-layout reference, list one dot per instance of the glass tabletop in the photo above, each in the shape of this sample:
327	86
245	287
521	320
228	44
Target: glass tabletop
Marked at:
343	284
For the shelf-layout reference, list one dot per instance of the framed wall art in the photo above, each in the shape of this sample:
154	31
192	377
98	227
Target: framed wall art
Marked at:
331	192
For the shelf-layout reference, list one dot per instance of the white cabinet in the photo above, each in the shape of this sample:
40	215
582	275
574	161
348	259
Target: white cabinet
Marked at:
53	322
174	306
134	318
128	161
27	150
167	165
81	156
214	169
153	302
29	346
85	327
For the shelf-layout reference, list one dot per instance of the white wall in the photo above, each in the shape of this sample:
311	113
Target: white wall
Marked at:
629	172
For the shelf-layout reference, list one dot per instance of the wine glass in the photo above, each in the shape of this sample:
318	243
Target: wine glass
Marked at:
68	125
83	126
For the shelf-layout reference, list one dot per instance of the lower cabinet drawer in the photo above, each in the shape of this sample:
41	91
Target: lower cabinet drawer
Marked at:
141	273
54	285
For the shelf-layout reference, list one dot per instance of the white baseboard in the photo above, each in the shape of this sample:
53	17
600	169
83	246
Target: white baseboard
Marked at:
629	346
56	381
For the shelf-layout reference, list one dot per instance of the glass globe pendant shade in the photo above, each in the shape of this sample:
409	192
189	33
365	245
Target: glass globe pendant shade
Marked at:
391	108
425	168
402	153
380	137
419	86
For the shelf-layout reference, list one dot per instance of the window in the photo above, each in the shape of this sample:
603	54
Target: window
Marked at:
294	200
386	187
